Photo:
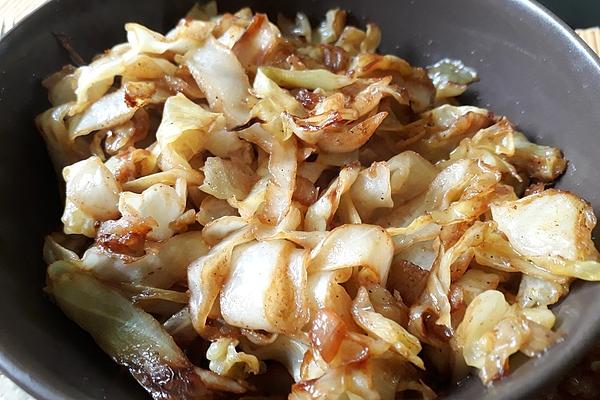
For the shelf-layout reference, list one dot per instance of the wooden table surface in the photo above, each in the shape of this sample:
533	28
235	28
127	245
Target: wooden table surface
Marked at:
11	11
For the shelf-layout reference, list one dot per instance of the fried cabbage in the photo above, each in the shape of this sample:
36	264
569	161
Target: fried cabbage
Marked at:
225	360
287	201
132	337
272	299
92	195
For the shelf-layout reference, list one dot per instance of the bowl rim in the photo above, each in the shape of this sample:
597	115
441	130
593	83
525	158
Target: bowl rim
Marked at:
38	389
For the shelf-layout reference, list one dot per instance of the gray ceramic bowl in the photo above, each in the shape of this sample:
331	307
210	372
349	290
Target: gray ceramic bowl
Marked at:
533	69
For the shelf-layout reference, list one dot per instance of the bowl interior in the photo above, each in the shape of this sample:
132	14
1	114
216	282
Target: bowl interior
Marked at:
532	70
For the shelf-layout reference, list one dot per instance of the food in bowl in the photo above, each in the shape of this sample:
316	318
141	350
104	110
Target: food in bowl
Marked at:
242	194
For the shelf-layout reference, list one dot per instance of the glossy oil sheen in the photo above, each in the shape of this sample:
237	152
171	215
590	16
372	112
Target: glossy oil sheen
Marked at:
532	69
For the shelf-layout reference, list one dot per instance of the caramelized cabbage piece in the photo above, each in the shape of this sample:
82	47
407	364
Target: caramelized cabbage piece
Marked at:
273	105
162	266
92	196
371	379
372	189
273	298
114	108
441	130
260	42
321	212
435	296
492	330
330	29
132	337
227	179
410	175
222	78
283	194
534	291
540	162
282	168
451	77
551	223
186	36
53	128
207	275
366	246
307	79
326	292
415	81
225	360
184	131
94	80
385	329
162	204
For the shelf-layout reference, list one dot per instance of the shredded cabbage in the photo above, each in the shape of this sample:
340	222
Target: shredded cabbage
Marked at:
130	336
92	196
225	360
283	194
451	77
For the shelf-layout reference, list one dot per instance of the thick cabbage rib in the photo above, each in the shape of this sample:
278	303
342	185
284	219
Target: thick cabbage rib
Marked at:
131	337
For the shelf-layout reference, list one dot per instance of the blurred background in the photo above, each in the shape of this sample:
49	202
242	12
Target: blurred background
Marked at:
577	13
